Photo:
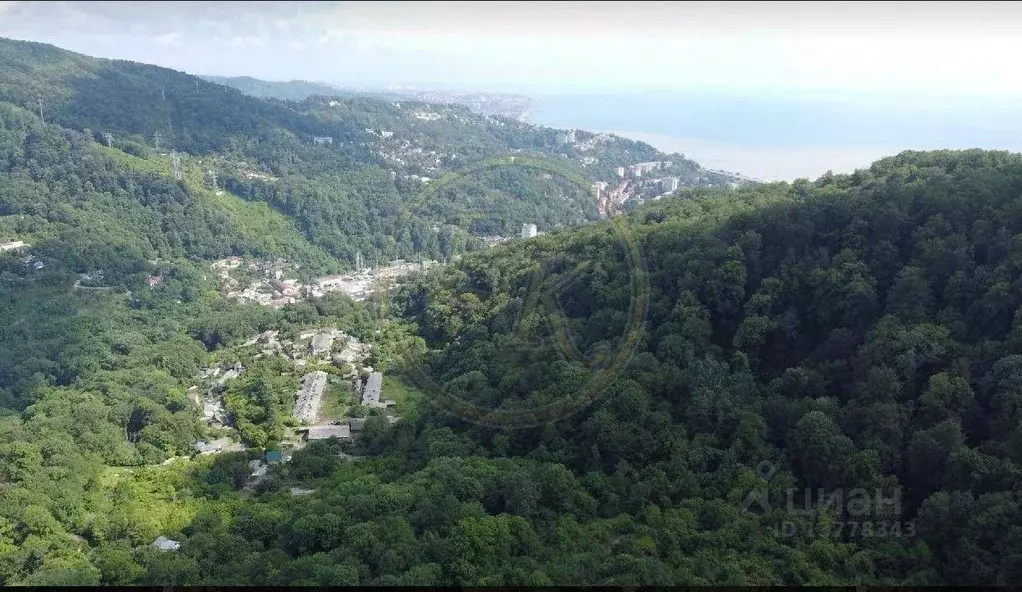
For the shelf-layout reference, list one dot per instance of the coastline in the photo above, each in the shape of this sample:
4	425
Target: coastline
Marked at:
766	163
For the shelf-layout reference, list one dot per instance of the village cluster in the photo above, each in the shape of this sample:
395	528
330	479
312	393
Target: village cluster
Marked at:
266	282
310	349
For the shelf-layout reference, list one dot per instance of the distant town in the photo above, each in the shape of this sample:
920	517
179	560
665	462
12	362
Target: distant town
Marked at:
496	104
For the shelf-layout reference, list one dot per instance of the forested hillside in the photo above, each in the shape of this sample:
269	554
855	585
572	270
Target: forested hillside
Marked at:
357	188
856	333
860	332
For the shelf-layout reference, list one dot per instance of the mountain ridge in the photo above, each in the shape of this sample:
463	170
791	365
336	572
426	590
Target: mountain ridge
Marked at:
147	109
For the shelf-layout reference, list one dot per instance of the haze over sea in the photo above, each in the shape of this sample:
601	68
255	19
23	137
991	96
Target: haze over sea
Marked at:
784	138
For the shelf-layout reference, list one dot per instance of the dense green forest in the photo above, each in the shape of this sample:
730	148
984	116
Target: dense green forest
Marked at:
856	335
858	332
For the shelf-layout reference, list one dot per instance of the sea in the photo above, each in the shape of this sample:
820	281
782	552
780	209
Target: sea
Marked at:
787	137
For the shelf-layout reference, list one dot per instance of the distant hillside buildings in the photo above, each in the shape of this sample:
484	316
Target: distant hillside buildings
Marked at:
637	170
528	230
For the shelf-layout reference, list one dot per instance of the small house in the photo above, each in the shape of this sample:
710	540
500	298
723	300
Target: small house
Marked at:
164	544
258	468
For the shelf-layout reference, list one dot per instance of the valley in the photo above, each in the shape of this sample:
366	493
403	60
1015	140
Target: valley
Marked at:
315	340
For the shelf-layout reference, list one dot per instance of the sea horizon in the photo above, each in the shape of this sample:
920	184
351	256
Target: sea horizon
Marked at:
785	138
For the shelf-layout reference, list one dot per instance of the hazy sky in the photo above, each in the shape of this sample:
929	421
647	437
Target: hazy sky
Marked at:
938	48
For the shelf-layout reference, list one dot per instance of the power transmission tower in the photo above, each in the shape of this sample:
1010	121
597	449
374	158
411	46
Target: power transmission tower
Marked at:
156	139
212	178
109	138
41	110
163	93
358	261
177	165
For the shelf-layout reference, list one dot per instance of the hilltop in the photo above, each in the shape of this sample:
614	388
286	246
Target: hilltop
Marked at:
497	104
290	90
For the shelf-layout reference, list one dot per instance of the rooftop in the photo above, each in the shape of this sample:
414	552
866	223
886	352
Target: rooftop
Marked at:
165	544
258	468
333	431
374	386
310	396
